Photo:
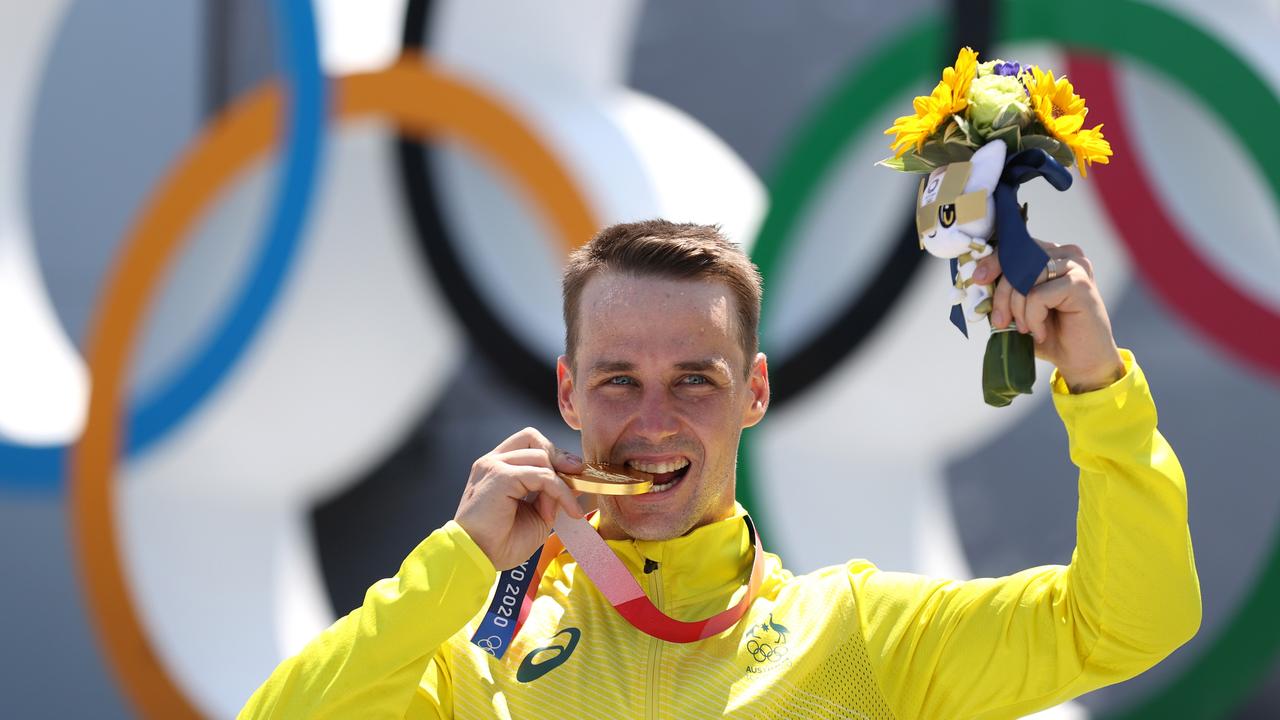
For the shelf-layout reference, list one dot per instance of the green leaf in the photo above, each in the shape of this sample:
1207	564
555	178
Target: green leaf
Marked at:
965	127
1042	142
1010	115
908	163
1064	156
893	163
1012	136
958	142
937	153
914	164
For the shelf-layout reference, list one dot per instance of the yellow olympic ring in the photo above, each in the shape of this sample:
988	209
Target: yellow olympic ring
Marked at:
424	101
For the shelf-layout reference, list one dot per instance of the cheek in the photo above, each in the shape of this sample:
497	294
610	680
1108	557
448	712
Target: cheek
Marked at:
718	418
602	420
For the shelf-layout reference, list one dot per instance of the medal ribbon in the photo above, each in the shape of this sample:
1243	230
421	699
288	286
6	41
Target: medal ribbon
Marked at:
615	582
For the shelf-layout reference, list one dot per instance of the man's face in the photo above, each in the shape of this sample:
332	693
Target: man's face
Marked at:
659	384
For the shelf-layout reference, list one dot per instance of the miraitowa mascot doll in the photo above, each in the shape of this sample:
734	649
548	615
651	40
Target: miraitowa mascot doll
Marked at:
984	131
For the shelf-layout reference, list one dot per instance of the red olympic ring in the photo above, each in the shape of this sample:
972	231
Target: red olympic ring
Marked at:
1170	262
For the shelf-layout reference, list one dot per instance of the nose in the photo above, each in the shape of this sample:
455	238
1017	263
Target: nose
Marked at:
655	418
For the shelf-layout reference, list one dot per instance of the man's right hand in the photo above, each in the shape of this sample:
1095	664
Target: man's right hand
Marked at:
513	495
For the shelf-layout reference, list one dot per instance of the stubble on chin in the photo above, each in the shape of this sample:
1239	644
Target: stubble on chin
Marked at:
616	525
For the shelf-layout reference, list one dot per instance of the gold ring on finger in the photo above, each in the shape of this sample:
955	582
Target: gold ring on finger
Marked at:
1051	268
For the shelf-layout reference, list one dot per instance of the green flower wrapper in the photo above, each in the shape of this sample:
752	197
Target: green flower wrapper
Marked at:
1008	367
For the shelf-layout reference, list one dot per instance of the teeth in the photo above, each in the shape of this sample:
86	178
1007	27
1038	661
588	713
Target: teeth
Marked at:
662	467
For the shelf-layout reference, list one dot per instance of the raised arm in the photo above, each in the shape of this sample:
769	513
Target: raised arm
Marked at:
1002	648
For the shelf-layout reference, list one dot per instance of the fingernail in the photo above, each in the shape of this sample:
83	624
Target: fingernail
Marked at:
980	275
997	318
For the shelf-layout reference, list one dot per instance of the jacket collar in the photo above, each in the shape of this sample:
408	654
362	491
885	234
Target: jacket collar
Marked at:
710	561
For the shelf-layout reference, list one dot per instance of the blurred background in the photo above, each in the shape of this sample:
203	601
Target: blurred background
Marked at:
273	273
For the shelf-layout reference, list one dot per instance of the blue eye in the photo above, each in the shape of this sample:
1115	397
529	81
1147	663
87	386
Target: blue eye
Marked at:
697	380
620	380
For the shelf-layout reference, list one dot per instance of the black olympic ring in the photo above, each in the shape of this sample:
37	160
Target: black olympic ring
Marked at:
527	371
766	652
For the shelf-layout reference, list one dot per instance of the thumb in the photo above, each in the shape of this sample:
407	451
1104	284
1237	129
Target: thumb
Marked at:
566	462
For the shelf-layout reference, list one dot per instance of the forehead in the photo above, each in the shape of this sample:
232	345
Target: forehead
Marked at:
656	318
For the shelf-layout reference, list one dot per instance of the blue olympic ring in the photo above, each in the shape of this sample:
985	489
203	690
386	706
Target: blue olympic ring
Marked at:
162	410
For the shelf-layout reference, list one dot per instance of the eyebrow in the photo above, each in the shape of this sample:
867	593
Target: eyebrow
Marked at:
702	365
705	365
610	366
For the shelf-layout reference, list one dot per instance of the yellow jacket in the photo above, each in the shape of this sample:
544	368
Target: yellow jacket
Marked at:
848	641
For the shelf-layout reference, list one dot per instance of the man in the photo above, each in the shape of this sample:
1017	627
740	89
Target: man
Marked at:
661	373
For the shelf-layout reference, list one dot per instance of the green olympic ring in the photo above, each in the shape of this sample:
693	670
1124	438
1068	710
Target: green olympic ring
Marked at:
1236	661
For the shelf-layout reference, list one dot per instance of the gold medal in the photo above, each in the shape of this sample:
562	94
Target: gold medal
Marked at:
602	479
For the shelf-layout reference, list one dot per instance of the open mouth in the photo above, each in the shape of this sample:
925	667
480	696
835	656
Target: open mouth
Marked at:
666	474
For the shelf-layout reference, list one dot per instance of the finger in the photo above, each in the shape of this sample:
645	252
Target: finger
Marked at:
545	482
1073	255
1043	298
527	438
1017	308
1085	263
1048	245
1071	252
536	457
560	460
547	506
531	438
988	269
565	461
1000	314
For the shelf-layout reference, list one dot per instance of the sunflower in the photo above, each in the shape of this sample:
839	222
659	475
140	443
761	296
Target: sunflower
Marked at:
1062	113
949	96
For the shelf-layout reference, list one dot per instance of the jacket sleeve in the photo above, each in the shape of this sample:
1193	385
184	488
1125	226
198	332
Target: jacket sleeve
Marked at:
371	662
1003	648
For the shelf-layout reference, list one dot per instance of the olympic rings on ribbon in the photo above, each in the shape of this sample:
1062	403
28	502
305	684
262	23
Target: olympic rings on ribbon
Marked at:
422	101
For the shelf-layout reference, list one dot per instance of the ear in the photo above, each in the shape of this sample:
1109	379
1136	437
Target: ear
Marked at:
758	389
987	164
564	392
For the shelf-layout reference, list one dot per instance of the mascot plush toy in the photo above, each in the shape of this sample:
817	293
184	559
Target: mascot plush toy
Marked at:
955	215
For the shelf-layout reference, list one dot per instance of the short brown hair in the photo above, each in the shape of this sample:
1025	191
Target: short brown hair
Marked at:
659	248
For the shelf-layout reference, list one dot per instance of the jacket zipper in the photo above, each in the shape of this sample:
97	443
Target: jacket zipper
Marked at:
655	648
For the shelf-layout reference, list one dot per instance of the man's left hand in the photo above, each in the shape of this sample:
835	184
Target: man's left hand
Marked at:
1064	313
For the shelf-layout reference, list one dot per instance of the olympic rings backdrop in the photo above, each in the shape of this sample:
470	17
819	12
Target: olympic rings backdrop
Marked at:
273	273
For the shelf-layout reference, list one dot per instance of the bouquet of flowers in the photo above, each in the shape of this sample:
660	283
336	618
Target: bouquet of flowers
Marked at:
984	130
976	103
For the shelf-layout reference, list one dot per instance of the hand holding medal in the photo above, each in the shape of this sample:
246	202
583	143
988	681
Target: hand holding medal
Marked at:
518	469
983	131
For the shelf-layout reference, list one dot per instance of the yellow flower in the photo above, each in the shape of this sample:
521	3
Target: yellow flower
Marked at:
949	96
1062	113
